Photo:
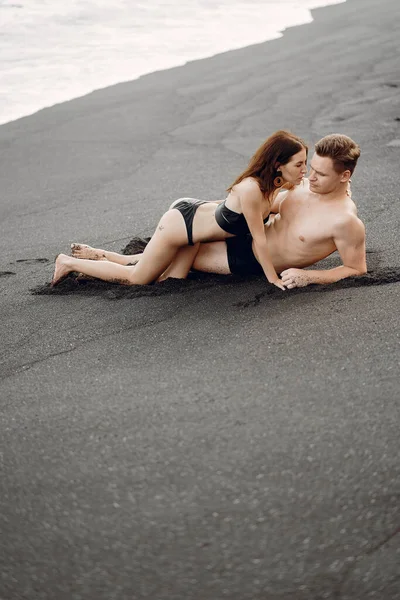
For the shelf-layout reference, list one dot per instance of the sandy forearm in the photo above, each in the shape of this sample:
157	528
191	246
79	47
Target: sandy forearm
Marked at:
331	275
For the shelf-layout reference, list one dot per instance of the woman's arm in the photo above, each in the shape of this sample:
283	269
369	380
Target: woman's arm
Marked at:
251	203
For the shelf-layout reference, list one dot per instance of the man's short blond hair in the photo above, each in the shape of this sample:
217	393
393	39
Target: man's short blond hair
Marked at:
343	151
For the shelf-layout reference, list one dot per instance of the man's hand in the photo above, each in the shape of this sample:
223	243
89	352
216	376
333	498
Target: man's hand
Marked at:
292	278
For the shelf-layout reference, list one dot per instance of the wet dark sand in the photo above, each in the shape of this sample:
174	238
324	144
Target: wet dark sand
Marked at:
211	438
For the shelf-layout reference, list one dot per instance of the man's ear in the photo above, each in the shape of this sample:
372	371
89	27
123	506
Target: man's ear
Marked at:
345	176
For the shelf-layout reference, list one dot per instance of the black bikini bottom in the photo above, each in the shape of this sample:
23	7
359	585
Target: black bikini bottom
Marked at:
187	207
241	258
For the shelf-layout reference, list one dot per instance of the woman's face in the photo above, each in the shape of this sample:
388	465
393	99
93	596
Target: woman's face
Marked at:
295	170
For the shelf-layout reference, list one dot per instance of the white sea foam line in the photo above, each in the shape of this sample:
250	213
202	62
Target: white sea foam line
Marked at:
57	52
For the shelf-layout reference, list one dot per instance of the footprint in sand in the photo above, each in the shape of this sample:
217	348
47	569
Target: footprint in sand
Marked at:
31	261
6	273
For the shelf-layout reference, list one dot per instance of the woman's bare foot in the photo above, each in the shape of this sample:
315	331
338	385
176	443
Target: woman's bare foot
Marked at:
84	251
62	269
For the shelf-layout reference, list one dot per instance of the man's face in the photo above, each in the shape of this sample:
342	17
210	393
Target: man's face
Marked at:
323	178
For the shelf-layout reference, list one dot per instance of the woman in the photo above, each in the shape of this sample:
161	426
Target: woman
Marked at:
279	162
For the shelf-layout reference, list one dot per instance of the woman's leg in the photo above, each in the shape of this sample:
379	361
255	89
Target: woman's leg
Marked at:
182	263
169	236
85	251
178	269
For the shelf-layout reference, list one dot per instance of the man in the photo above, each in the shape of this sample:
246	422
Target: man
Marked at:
311	221
307	224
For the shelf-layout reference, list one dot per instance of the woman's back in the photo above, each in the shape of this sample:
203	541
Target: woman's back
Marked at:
229	213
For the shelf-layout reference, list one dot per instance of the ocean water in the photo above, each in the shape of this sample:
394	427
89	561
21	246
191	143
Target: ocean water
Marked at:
55	50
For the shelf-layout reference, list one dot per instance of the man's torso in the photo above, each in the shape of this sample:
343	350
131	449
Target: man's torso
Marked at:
302	233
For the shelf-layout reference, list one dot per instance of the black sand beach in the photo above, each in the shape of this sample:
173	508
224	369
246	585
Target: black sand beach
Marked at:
205	439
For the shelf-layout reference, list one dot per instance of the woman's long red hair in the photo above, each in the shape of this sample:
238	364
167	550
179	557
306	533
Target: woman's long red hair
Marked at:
278	148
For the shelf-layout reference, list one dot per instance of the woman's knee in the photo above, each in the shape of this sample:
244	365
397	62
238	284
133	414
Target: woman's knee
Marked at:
130	275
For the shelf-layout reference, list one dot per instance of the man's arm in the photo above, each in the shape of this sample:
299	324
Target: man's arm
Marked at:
349	239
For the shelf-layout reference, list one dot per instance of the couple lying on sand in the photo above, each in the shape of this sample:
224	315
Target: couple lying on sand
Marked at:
273	221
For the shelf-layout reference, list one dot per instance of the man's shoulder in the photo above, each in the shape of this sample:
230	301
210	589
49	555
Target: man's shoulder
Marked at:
295	193
302	189
348	224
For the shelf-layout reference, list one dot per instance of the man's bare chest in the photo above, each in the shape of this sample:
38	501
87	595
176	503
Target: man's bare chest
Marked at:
306	223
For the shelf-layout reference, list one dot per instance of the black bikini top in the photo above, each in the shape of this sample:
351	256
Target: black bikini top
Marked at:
231	221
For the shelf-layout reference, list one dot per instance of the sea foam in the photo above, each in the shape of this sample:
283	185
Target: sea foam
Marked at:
52	51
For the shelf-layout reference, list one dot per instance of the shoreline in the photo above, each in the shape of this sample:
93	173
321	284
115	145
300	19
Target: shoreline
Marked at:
218	85
280	33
